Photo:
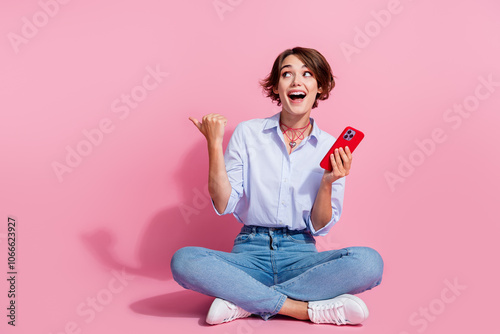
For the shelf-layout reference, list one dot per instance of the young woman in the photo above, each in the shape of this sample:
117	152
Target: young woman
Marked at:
269	178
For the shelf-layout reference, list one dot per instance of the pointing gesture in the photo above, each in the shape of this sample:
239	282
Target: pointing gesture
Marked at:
212	127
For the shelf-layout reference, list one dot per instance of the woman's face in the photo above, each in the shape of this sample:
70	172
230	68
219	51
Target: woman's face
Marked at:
297	86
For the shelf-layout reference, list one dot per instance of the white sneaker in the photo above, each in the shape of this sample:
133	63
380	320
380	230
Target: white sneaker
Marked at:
342	310
224	311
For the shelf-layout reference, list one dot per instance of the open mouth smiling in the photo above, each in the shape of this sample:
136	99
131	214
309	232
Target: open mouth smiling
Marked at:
296	96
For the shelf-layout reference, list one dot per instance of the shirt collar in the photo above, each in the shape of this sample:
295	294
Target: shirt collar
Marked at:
274	122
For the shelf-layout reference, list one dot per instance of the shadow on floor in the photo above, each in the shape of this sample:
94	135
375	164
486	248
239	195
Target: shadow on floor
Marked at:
191	222
185	304
190	304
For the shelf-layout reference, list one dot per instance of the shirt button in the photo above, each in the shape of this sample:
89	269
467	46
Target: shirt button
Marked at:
284	180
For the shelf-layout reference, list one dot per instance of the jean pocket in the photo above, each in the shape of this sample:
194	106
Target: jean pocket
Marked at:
242	238
301	238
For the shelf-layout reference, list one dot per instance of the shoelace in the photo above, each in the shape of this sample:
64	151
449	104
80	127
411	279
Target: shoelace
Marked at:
330	313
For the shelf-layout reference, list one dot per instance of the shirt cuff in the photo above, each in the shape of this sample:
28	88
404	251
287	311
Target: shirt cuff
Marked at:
231	203
325	229
322	231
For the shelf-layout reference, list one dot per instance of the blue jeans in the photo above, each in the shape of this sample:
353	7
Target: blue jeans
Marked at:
268	265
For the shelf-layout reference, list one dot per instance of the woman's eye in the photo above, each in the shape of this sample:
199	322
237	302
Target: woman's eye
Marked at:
288	74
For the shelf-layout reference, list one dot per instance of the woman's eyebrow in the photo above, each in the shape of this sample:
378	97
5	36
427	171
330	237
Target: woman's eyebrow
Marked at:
289	66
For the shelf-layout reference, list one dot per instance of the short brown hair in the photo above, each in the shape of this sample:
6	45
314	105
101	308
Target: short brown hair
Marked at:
314	62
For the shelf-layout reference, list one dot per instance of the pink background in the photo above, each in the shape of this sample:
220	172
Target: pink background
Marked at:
139	194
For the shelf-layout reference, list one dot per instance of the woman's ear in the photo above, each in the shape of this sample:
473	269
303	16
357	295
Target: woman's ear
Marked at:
320	90
275	90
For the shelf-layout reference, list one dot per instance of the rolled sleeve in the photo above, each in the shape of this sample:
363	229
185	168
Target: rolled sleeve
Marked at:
231	203
337	203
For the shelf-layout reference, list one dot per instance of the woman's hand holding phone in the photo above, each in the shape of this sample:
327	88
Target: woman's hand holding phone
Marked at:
341	161
337	162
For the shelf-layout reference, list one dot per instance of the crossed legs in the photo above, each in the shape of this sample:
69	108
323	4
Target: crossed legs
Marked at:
236	278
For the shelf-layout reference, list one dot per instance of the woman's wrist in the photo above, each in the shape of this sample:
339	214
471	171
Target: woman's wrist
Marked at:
214	144
326	181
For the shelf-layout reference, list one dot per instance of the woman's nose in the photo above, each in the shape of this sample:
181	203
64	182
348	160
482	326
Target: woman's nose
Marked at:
296	80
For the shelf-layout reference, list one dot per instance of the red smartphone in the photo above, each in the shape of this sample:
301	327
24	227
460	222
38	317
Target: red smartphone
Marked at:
349	137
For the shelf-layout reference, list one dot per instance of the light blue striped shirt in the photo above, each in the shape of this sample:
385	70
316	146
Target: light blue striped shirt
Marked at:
272	188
